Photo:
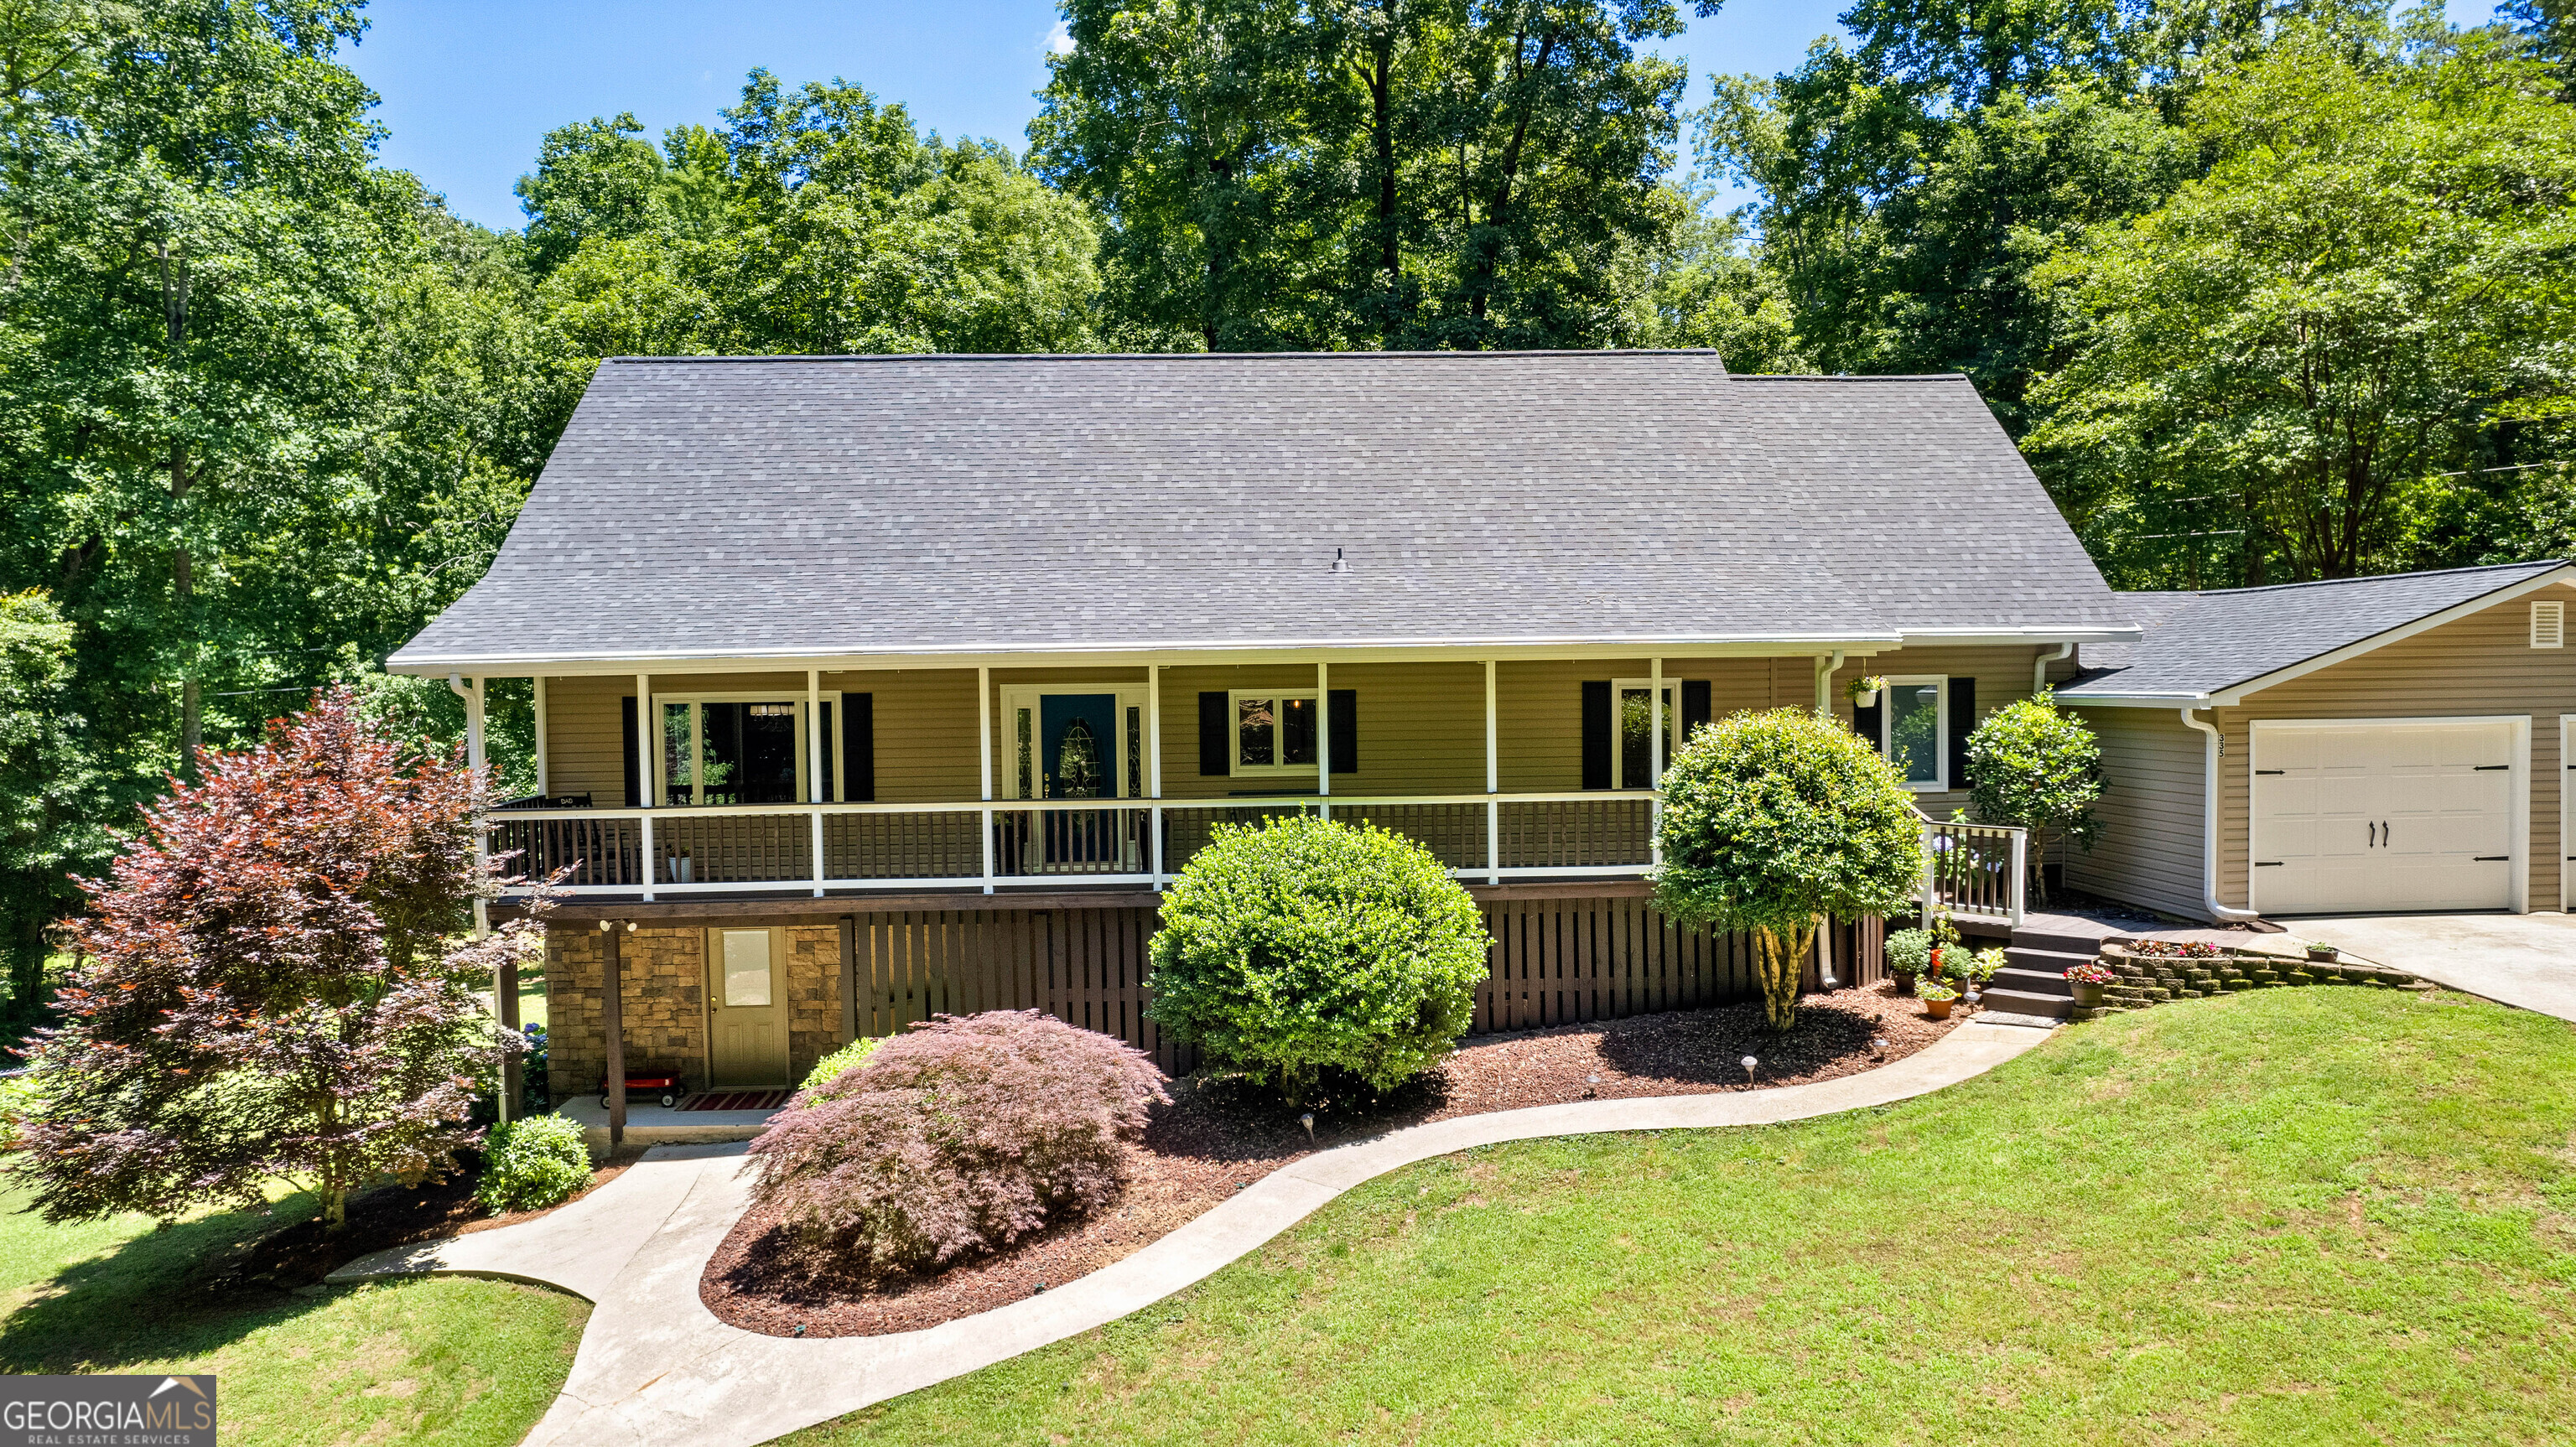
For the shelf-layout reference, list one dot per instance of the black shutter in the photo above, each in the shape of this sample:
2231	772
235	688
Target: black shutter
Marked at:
1342	725
859	746
1695	705
1866	722
634	761
1963	722
1216	734
1596	734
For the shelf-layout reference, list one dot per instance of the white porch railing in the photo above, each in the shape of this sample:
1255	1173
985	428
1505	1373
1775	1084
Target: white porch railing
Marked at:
1977	871
1018	843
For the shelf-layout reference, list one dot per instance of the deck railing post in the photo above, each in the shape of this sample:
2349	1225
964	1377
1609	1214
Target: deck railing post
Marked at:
1493	787
2020	873
1655	811
1158	848
984	753
814	765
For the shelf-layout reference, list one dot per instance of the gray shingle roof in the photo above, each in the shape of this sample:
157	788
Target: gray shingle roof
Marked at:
853	505
2198	644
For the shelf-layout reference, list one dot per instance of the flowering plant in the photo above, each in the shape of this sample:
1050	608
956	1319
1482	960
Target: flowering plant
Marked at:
2178	949
1931	991
2091	972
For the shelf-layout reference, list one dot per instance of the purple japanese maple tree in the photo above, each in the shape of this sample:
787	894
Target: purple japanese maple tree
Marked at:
279	984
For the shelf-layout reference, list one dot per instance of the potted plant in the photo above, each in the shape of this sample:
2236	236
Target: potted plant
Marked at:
1936	997
1864	691
2322	954
2087	980
1908	952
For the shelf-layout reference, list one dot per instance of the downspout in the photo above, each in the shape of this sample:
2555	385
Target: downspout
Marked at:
2224	914
1825	670
2039	669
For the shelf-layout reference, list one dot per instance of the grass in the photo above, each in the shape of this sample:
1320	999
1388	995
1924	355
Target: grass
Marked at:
432	1360
2294	1216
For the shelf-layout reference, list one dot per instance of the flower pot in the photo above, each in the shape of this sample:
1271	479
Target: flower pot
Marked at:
1904	981
1865	698
2322	954
1938	1009
2088	996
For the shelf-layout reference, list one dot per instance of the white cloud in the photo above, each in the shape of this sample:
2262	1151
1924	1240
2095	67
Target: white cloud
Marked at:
1060	40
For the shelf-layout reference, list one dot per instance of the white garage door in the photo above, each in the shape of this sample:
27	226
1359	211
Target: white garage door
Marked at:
2363	816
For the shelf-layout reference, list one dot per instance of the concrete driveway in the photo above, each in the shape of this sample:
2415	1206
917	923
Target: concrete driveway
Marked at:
2520	959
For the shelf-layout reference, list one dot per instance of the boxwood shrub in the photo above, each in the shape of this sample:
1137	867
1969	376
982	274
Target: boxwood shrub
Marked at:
833	1066
1303	947
531	1164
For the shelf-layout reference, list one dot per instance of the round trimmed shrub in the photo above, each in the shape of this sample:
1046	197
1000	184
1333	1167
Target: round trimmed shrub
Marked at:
958	1138
531	1164
840	1062
1305	946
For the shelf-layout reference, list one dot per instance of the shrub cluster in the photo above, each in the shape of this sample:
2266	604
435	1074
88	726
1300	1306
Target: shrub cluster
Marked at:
531	1164
958	1138
833	1066
1305	946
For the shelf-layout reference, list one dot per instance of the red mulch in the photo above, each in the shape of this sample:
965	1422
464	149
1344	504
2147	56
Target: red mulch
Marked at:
1214	1140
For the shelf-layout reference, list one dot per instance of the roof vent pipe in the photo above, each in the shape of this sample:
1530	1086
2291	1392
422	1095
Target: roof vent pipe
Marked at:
1338	565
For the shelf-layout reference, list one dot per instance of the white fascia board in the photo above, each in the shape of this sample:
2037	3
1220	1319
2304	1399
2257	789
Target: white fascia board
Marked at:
2135	700
1130	655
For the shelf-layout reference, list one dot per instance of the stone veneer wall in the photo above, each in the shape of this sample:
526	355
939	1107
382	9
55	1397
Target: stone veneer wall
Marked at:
663	969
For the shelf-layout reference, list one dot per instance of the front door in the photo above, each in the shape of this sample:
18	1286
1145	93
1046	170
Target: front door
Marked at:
1078	759
746	1010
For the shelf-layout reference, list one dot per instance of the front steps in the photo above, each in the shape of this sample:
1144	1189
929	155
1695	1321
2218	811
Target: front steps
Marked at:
2042	950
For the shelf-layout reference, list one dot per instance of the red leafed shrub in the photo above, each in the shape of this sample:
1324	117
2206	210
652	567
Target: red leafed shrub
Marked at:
276	984
956	1139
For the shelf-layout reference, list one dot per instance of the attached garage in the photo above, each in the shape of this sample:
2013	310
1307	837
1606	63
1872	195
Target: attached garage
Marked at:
2360	815
2396	744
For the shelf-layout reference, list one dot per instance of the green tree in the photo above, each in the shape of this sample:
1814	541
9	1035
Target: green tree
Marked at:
1711	290
49	788
2286	365
2034	766
1774	822
1374	173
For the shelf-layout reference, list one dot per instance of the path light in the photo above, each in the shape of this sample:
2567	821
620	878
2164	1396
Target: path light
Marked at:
1877	1046
1749	1063
1308	1121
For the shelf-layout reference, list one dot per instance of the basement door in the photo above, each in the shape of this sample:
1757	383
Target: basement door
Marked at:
2384	816
746	1009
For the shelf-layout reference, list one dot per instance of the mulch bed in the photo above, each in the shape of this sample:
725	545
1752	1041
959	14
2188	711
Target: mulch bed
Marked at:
298	1256
1213	1141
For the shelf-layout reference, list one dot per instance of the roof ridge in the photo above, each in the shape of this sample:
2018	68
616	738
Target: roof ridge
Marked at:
2541	563
1571	352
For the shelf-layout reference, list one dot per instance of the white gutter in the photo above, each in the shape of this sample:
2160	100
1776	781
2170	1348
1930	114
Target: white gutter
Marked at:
2039	670
2224	914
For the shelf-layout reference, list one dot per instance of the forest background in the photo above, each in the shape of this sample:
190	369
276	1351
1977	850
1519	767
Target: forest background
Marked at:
2266	290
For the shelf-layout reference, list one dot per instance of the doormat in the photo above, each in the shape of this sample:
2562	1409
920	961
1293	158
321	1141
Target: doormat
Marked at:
737	1100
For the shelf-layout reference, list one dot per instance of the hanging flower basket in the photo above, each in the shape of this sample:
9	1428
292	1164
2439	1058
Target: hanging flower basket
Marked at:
1864	691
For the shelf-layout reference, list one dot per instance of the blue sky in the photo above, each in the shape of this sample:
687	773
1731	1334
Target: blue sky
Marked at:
470	85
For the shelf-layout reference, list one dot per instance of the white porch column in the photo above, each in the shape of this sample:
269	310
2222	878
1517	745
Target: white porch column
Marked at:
537	687
1493	787
645	754
1655	770
473	695
814	765
1154	760
984	752
1323	739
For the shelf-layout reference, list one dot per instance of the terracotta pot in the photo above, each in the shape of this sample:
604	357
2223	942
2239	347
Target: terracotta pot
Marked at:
1938	1009
2086	994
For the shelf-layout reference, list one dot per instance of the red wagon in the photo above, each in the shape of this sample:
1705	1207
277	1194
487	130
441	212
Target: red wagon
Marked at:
666	1088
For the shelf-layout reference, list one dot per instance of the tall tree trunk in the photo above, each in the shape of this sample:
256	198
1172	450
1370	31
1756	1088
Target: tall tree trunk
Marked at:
1382	124
183	574
1780	963
1488	259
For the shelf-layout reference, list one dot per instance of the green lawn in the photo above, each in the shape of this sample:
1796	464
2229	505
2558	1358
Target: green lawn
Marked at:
2295	1216
445	1361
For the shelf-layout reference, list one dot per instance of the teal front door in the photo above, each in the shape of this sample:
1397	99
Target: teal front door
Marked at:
1077	759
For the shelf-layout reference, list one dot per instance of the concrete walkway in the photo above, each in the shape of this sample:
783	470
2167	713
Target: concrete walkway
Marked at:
2520	959
655	1367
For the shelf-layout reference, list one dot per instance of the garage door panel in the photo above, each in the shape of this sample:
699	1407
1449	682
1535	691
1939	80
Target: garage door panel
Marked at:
2383	816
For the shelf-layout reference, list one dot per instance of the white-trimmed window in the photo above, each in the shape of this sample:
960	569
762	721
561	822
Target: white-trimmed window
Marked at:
736	748
1276	731
1632	735
1914	730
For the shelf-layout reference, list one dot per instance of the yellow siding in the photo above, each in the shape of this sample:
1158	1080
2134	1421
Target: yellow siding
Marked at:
2149	852
2481	665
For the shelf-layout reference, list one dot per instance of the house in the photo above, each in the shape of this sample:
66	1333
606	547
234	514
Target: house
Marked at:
2392	743
875	686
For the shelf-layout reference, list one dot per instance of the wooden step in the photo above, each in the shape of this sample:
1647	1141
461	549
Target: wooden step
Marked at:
2033	982
2023	1002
